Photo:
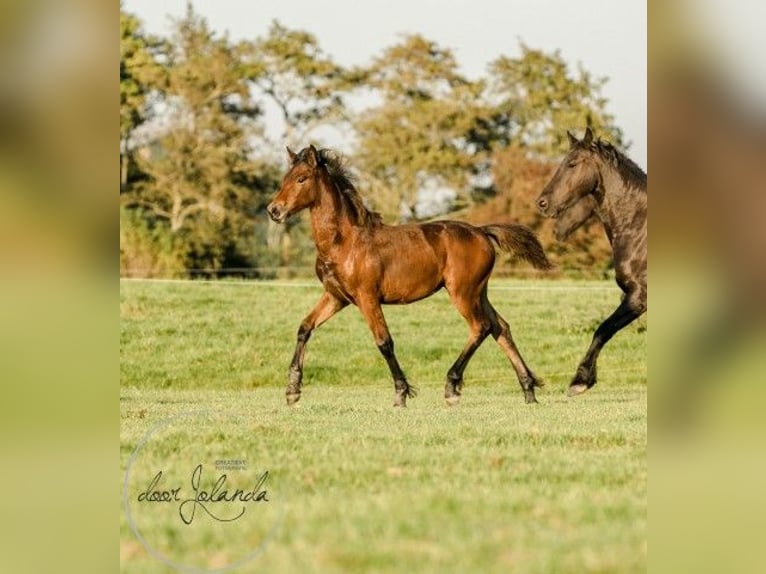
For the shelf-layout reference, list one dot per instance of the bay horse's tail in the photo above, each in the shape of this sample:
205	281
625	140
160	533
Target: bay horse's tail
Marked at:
520	240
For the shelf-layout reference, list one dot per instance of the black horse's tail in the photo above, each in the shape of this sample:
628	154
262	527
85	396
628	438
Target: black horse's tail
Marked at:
520	240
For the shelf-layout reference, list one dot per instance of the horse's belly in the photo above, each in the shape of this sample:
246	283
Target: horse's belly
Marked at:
408	283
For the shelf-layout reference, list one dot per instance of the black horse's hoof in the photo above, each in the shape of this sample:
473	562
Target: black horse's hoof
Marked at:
292	398
577	389
453	400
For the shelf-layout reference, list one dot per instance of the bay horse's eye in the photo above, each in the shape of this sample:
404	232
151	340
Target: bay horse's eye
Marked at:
301	179
572	163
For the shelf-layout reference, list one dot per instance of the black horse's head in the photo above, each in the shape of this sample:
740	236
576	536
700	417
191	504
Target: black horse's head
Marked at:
576	177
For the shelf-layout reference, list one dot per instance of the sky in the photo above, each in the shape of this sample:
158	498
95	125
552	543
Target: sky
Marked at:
607	37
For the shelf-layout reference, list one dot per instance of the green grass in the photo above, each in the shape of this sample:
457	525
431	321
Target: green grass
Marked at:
493	485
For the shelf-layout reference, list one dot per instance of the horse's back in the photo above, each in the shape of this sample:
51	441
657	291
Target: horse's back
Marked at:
418	259
456	239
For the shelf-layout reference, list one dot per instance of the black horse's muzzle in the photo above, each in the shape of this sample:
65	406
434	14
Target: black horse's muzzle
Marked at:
542	206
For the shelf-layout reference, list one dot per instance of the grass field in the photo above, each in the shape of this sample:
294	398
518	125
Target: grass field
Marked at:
492	485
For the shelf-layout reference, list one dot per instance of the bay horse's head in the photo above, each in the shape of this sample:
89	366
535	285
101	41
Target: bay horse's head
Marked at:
576	177
300	186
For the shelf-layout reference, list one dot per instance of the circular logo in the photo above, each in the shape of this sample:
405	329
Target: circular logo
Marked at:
200	493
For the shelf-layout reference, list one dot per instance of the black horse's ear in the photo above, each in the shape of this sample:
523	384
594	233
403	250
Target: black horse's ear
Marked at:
312	158
292	157
588	137
572	140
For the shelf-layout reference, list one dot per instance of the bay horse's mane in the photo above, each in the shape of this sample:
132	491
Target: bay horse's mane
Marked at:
344	180
632	175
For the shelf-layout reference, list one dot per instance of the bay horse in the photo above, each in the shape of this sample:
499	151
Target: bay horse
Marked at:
362	261
595	176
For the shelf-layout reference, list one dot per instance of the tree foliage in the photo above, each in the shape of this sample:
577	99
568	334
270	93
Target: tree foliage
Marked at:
289	68
140	74
537	98
201	181
417	138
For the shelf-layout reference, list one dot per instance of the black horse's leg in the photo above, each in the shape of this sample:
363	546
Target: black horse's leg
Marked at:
631	308
326	307
501	331
373	314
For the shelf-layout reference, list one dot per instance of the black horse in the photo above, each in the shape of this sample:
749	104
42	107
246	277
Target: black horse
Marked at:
596	178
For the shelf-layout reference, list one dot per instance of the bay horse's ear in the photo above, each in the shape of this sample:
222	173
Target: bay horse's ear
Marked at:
292	157
312	157
573	141
588	138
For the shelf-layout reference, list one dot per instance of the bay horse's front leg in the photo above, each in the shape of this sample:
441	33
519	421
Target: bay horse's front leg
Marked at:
631	308
326	307
373	314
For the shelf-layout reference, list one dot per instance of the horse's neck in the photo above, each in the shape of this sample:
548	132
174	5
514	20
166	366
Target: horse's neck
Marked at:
329	224
618	203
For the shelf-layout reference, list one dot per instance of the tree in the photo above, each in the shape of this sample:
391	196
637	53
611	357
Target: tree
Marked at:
289	68
537	98
203	183
418	138
139	73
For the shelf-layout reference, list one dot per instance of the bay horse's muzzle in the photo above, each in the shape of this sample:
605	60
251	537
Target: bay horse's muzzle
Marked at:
278	213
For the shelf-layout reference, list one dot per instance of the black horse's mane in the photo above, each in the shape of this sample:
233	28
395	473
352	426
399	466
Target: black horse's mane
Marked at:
631	174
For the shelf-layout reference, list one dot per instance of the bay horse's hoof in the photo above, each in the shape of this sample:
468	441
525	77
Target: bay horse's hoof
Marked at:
531	399
453	400
577	389
400	401
292	398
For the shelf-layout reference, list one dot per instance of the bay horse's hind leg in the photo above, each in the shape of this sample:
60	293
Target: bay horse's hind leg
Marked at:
326	307
502	334
480	326
373	314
